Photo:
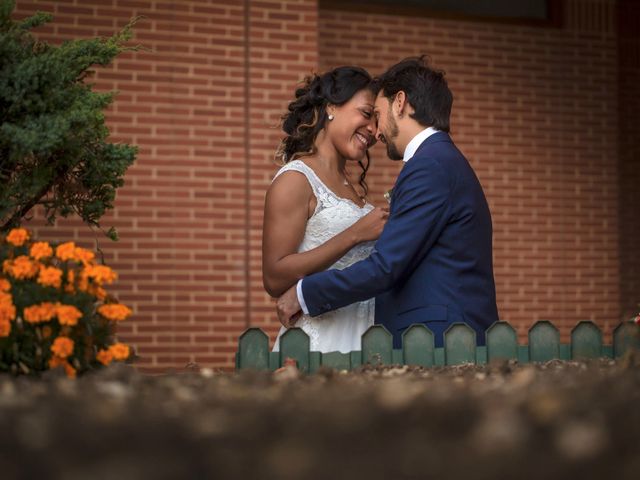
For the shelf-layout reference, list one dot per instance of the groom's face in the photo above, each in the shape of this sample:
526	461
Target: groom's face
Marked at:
387	126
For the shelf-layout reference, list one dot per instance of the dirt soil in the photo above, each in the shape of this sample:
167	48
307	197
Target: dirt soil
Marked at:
559	420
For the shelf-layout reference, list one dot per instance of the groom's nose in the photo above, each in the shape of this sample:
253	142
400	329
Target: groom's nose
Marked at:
373	131
379	136
372	128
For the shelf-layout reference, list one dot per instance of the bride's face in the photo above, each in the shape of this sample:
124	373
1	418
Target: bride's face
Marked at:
353	128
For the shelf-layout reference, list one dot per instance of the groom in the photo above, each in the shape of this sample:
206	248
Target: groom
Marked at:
433	262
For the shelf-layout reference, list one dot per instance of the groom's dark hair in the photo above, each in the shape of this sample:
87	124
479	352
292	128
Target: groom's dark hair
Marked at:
426	90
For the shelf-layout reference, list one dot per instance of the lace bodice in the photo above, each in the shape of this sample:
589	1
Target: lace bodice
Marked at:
341	329
332	215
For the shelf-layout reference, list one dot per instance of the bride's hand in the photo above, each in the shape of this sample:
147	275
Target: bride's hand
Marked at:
370	226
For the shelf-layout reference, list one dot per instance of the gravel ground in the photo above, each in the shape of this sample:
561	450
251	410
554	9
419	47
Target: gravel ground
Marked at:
559	420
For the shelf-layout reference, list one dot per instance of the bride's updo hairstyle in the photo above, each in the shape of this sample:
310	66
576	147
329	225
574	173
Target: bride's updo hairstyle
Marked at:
307	114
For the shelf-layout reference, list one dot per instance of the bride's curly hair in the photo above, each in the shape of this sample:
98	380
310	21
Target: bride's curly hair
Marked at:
307	114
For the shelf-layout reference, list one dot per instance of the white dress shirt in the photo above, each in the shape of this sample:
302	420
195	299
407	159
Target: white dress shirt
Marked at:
409	152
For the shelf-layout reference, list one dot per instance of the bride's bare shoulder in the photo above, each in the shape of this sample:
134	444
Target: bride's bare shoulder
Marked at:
290	184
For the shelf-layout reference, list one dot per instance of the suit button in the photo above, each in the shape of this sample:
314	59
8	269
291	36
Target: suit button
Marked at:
327	306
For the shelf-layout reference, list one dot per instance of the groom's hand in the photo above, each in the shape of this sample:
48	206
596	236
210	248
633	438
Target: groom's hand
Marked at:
289	310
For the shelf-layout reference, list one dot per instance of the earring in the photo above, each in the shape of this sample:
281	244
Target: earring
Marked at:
331	117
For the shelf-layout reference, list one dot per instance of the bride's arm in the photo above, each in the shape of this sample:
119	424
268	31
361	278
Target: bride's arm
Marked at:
288	205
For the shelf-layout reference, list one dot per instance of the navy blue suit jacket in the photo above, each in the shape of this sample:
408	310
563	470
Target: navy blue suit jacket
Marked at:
433	262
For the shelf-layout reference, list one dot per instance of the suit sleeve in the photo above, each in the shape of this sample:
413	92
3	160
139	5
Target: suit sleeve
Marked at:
418	216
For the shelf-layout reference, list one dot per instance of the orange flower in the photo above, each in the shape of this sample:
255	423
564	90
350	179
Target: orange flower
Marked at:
66	251
39	313
46	331
114	311
120	351
69	370
18	236
21	267
56	362
7	313
5	327
62	347
83	281
83	255
71	277
40	250
50	277
100	273
68	314
5	286
99	292
104	357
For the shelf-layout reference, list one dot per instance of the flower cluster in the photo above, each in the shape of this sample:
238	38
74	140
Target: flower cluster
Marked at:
54	308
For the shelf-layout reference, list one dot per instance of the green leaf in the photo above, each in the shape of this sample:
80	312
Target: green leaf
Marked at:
54	147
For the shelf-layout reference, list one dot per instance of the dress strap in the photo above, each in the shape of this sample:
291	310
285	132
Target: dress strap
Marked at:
299	166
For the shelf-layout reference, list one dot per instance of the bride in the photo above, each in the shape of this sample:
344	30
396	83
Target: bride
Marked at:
314	217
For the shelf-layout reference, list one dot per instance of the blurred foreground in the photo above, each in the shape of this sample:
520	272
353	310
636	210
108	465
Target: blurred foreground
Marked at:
556	420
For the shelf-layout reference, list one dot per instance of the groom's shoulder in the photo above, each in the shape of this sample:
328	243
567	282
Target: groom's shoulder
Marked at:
434	143
432	150
438	159
424	166
439	147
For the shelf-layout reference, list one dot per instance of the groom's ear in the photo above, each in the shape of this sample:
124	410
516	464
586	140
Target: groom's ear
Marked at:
399	103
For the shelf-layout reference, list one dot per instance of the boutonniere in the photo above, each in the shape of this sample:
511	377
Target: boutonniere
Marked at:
387	195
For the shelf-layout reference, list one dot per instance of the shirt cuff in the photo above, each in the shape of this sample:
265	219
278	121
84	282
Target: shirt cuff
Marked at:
303	305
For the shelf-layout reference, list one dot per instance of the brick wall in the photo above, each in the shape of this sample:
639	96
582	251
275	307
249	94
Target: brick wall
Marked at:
536	112
189	216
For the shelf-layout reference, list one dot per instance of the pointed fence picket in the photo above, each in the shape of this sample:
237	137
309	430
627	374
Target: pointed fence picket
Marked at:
377	346
459	344
586	341
418	347
502	342
544	342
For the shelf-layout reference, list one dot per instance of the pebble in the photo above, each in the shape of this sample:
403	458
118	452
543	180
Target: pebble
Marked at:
579	440
7	393
524	377
397	393
115	390
546	407
499	431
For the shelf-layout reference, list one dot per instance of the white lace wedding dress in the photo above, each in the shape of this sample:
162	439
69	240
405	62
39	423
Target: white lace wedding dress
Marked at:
341	329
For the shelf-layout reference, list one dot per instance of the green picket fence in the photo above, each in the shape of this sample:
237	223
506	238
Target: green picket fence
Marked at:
418	347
